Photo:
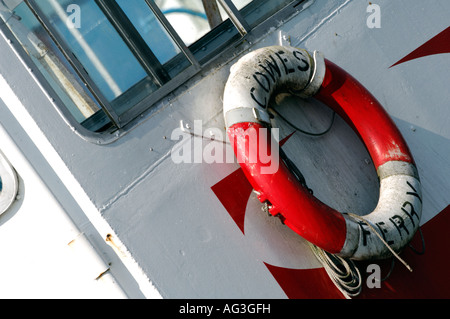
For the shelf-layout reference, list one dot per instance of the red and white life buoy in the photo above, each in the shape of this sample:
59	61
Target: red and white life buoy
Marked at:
252	82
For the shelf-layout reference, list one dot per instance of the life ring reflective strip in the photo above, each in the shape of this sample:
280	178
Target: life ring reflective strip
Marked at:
251	84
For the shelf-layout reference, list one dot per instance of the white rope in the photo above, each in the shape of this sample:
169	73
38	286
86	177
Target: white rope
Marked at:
381	238
343	272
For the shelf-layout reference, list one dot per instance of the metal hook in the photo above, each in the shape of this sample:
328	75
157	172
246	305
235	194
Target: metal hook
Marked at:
186	129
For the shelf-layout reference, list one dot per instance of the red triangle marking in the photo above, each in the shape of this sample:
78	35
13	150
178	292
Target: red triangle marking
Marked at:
305	283
233	192
437	45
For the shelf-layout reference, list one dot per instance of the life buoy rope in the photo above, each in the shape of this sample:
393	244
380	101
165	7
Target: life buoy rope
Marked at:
253	81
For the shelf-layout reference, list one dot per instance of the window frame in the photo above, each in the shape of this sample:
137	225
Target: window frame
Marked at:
219	38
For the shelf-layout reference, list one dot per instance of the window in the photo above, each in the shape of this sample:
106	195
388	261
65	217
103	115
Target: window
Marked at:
110	60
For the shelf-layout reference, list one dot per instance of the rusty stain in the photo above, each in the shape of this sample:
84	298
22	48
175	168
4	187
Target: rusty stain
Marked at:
103	273
109	239
117	249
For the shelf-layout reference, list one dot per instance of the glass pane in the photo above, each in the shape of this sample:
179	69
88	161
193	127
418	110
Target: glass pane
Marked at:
150	29
256	11
241	3
97	45
155	36
51	63
191	19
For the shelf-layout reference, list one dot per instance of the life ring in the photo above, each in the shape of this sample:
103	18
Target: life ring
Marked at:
252	82
8	184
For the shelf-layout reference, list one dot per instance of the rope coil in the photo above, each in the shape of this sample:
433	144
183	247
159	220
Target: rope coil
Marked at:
343	272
